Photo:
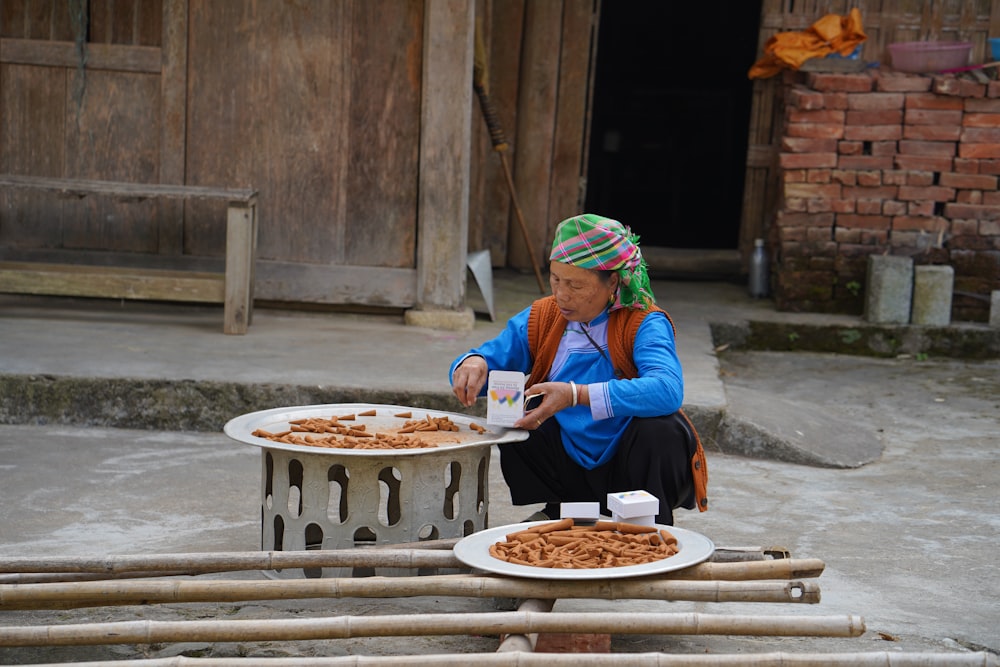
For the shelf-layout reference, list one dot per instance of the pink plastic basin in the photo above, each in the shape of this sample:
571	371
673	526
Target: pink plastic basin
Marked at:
922	57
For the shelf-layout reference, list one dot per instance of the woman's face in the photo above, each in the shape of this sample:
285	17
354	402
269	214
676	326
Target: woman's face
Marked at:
581	294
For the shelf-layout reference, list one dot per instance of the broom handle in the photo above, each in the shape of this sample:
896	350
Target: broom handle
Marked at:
520	222
497	137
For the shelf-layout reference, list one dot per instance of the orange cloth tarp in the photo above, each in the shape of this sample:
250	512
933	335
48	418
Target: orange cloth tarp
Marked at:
831	34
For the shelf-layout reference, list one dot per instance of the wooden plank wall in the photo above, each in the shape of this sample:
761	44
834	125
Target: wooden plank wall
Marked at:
885	22
316	105
539	54
490	214
58	118
319	109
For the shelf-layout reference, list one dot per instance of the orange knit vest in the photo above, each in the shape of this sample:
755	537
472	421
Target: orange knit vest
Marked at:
545	329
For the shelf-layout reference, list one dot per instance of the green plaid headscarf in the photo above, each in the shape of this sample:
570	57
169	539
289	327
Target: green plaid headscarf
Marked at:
595	242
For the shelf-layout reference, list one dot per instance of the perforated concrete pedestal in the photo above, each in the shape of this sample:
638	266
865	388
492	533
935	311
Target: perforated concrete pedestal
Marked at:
319	491
331	501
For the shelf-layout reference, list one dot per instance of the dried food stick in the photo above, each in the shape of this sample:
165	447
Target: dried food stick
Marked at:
523	536
562	524
622	527
367	413
556	526
404	415
667	538
566	542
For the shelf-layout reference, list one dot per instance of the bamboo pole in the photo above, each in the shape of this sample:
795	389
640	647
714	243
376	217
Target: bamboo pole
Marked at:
63	577
203	563
110	593
774	659
226	561
730	554
520	641
406	625
785	568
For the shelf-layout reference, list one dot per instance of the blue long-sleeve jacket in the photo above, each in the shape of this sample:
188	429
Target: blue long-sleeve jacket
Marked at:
591	434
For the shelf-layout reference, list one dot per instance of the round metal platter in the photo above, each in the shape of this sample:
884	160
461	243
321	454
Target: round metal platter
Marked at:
277	420
474	551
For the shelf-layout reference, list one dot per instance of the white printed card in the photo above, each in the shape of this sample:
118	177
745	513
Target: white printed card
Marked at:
505	398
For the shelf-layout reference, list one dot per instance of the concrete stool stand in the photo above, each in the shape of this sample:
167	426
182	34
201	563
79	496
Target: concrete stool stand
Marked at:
337	498
339	501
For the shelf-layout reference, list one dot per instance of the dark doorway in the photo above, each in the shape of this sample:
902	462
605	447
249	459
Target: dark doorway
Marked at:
670	119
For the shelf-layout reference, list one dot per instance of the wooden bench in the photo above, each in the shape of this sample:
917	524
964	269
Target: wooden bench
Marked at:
233	288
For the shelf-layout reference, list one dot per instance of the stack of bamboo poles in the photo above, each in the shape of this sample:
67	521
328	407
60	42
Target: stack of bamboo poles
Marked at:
733	575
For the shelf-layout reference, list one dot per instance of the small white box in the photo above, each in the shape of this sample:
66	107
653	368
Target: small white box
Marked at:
647	520
504	398
632	504
582	511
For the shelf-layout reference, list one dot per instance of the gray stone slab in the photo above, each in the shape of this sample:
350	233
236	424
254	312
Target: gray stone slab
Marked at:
889	289
995	309
932	294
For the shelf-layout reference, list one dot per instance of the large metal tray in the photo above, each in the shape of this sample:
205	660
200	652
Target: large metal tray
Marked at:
277	419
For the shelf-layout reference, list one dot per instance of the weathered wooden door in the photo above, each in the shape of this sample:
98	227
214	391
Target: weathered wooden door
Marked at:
315	104
85	94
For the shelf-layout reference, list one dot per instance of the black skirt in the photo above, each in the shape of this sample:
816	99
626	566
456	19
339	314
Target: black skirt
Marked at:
654	455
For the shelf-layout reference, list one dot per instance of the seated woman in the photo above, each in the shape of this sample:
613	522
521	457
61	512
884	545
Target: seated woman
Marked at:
603	356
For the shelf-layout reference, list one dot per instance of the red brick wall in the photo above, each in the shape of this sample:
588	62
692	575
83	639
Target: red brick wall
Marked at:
882	162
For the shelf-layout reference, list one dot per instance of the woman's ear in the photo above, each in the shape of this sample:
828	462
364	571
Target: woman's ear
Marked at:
615	283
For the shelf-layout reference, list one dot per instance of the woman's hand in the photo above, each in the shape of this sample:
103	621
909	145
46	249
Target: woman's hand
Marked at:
468	380
557	396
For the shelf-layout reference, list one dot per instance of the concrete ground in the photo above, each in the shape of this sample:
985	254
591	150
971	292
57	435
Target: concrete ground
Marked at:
886	469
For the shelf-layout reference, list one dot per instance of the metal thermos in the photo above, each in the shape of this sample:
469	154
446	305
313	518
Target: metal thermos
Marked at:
759	276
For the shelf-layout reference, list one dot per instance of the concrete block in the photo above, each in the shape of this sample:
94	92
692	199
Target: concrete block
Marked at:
932	291
995	309
889	289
